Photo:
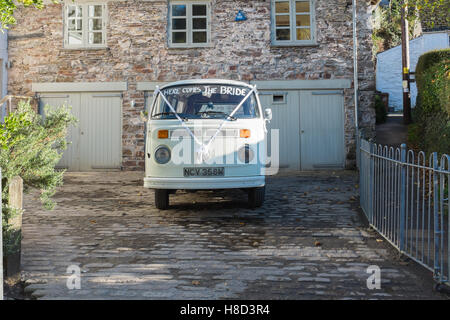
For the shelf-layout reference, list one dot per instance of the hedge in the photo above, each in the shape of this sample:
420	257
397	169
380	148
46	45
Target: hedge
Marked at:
431	129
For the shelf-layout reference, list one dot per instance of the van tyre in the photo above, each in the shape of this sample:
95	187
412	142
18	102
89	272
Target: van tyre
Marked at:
162	199
256	197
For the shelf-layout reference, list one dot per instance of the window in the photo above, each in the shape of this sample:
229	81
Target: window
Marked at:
189	24
279	98
293	22
85	25
208	101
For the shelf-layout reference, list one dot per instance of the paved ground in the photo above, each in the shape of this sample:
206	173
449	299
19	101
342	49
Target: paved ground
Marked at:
393	132
307	242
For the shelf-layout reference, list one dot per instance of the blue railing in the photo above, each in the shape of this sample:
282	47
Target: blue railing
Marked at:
405	197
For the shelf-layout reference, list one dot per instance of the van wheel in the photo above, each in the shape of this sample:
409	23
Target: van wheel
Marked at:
161	199
256	197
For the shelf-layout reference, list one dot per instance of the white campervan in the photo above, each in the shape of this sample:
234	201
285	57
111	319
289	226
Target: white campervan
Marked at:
204	135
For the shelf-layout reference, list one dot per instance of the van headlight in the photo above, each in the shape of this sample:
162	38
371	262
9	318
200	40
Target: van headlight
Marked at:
162	155
246	154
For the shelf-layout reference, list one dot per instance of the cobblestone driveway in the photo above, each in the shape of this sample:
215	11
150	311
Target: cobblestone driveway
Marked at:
307	242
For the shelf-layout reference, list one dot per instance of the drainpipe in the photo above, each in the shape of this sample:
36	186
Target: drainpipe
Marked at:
4	72
355	66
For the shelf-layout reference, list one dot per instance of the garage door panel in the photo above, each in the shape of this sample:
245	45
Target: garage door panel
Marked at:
322	133
101	132
285	112
70	158
96	142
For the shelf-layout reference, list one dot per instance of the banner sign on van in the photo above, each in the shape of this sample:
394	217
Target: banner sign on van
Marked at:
207	90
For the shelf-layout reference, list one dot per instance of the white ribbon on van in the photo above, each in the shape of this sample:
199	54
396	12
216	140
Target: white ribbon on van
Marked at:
203	151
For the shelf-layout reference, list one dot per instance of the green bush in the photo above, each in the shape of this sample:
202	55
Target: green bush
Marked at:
380	110
431	130
429	59
30	147
414	132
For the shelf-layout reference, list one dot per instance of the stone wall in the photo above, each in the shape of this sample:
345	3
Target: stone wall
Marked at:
137	51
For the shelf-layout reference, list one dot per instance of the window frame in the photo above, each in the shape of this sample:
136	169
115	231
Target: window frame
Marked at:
85	25
293	25
189	24
279	94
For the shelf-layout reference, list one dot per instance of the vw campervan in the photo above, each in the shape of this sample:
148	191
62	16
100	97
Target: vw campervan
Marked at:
204	135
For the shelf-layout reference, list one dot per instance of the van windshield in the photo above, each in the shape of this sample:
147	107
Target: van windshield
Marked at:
206	101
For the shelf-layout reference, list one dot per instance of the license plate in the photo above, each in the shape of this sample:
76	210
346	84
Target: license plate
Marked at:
204	172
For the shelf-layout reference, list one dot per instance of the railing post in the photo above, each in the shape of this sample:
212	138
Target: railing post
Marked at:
1	239
402	197
371	182
437	268
358	149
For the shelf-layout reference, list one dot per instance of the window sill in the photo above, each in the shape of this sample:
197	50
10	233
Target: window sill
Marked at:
290	45
84	48
171	47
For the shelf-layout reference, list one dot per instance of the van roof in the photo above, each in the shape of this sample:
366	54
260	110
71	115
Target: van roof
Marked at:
206	81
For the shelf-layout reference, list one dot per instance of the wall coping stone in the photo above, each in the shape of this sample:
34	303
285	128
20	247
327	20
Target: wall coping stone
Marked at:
78	86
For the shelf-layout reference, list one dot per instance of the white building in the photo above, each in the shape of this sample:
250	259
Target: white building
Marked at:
389	66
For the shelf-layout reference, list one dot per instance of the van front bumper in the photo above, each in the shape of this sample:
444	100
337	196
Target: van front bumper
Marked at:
205	183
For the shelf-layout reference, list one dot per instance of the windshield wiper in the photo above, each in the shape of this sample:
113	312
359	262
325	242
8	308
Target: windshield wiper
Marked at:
217	112
170	114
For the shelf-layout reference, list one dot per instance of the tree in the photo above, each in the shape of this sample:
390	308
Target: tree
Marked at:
388	20
387	32
429	11
7	8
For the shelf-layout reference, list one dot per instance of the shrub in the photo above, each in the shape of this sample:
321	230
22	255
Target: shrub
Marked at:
380	110
431	58
30	147
414	132
431	131
432	77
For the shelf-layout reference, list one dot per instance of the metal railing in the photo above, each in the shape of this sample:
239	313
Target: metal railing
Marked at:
8	99
1	239
8	104
405	197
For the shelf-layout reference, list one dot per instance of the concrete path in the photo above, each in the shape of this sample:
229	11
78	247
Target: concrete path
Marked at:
393	132
309	241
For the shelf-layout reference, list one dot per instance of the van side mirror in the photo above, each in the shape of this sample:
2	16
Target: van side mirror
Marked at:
268	114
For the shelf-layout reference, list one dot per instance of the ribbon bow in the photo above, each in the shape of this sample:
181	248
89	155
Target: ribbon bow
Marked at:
203	151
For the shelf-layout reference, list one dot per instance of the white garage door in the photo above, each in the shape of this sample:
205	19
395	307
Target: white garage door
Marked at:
322	129
311	127
96	142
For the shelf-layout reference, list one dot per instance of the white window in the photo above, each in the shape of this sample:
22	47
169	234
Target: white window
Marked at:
293	22
189	24
85	25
